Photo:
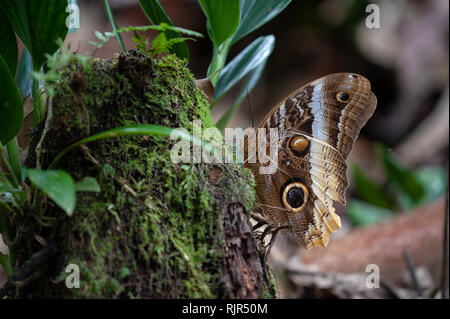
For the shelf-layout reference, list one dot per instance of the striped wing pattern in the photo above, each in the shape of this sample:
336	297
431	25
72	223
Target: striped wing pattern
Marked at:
329	113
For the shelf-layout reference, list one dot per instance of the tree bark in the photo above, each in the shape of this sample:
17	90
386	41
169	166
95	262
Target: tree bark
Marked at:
157	229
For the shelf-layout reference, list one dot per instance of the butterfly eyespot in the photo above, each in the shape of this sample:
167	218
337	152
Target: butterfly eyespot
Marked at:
342	97
298	144
295	196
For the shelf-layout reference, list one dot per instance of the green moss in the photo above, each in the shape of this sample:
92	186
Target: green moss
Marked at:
155	230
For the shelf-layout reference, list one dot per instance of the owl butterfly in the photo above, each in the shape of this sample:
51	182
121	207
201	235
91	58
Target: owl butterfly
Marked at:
317	127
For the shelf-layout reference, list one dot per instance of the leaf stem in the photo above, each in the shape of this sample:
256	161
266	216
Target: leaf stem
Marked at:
114	25
218	61
14	160
37	110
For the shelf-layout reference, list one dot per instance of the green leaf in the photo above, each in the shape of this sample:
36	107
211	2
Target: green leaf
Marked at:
160	43
156	14
251	81
369	191
255	13
6	264
87	184
161	28
99	35
56	184
8	189
399	176
25	74
11	107
38	24
434	183
107	171
3	178
106	177
8	49
223	18
364	214
245	62
124	272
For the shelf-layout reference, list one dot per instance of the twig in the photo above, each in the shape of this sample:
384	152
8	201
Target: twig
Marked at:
128	188
412	272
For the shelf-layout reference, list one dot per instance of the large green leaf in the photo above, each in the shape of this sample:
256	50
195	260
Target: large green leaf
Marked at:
399	176
369	191
255	13
223	18
56	184
245	62
156	14
8	49
11	107
38	24
364	214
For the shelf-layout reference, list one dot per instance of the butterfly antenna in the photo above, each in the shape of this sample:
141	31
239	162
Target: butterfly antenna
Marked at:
251	109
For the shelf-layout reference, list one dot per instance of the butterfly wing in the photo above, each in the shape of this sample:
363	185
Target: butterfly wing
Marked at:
326	116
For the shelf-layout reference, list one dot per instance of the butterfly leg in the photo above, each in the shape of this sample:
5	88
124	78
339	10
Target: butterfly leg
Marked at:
274	234
260	220
273	231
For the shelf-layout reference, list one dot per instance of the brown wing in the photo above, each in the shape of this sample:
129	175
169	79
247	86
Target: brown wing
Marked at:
329	113
316	110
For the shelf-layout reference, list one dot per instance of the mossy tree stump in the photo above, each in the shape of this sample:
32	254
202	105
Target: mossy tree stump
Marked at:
157	229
